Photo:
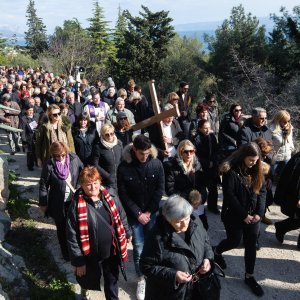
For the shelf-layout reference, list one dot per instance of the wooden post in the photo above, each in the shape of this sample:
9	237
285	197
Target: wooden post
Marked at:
158	116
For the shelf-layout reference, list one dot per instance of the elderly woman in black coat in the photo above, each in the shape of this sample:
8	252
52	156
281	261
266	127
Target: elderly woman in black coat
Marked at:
176	246
60	176
108	155
287	195
85	138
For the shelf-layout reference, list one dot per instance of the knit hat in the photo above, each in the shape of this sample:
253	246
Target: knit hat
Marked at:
121	115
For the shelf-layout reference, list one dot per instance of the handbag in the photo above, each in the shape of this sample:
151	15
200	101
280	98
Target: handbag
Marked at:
208	285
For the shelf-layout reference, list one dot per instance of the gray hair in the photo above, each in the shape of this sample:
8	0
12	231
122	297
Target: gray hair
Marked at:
6	97
118	100
69	94
176	208
257	110
135	96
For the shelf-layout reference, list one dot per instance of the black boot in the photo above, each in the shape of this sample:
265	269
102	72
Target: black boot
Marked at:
298	243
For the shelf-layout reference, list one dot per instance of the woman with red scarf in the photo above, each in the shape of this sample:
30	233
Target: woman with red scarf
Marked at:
59	178
230	125
97	234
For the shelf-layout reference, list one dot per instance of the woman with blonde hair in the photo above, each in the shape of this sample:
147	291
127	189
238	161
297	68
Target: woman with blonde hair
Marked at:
184	175
173	98
282	137
244	198
107	155
54	129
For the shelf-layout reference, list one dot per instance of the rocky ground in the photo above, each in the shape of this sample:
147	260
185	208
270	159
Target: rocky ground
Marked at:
277	266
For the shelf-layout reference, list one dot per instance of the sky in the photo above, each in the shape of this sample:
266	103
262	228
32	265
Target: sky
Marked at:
54	12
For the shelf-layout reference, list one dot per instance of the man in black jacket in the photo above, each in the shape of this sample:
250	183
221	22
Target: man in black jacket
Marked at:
254	128
141	184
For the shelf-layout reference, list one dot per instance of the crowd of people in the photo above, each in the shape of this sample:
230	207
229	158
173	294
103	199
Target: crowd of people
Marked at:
103	183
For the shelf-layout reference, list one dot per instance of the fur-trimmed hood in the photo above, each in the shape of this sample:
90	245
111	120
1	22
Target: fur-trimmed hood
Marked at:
127	153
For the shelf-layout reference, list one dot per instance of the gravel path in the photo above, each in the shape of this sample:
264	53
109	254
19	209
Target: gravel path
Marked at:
277	266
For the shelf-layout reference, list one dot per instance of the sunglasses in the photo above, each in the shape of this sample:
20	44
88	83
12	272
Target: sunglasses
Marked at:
188	151
56	115
109	134
212	101
175	99
123	118
237	110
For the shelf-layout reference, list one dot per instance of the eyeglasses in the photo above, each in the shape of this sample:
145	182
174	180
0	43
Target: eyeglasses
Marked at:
188	151
109	134
237	110
56	115
122	118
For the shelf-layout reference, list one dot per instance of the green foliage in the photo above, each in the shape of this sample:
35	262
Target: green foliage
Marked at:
240	36
20	59
145	44
45	282
35	37
3	42
185	61
285	44
103	45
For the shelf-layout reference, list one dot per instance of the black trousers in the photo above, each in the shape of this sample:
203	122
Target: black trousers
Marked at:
288	225
110	270
235	232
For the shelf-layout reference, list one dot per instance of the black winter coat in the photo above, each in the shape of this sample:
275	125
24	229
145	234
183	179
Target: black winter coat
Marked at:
27	134
238	199
84	146
287	193
107	161
206	149
52	188
249	132
73	234
165	253
140	185
228	133
179	182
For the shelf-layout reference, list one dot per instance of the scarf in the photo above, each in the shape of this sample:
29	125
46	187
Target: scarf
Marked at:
58	135
83	224
108	145
63	168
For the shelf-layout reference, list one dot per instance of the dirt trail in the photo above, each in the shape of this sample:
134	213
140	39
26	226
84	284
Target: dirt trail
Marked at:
277	266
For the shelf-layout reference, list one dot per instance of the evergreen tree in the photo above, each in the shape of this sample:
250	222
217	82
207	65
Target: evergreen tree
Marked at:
119	65
146	43
35	37
285	44
101	35
241	38
3	42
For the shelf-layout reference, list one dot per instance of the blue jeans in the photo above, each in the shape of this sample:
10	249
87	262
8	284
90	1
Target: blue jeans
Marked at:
139	231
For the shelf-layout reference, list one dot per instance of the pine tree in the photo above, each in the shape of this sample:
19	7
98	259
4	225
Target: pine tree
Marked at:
101	35
35	37
3	42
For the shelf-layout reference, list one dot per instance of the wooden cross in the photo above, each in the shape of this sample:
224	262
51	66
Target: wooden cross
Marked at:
158	115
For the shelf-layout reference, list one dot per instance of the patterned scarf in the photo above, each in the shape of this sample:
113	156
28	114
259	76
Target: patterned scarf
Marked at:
83	224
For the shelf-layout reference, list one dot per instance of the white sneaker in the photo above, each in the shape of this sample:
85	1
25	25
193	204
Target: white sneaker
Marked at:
141	289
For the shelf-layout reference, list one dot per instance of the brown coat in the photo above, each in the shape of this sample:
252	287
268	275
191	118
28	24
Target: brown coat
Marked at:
43	138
